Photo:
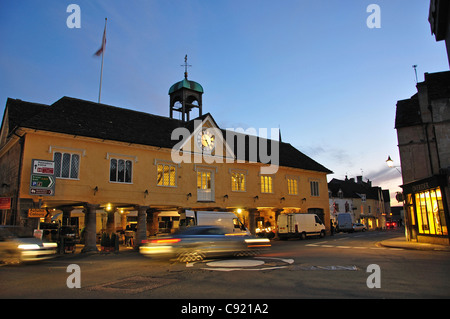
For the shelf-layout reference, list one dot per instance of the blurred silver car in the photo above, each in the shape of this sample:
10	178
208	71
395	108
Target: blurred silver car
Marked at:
359	227
17	245
197	242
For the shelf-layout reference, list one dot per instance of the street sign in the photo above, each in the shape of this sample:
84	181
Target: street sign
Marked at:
41	191
42	179
46	181
36	213
43	167
5	202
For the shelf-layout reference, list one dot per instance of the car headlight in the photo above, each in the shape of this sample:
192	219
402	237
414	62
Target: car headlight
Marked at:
28	246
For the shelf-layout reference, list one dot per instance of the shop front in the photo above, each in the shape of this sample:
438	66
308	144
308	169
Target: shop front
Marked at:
426	207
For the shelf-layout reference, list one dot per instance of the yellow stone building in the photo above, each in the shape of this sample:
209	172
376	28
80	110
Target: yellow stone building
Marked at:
115	167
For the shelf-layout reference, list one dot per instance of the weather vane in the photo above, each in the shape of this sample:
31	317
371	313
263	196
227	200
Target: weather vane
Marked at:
186	65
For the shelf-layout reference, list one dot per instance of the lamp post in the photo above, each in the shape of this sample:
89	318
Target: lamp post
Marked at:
390	163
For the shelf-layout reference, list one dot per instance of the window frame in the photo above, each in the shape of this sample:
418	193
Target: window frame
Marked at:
117	159
314	186
71	166
170	166
242	175
266	189
292	185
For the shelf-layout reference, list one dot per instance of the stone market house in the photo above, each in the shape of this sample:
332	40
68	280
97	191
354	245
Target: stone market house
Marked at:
114	167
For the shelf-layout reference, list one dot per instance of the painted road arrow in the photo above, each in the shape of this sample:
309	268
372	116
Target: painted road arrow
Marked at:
42	181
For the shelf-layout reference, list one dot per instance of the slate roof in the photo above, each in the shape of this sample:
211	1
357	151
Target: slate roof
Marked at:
408	112
437	87
351	189
85	118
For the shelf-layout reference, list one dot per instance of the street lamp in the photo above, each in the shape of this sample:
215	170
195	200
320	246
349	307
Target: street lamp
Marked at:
390	163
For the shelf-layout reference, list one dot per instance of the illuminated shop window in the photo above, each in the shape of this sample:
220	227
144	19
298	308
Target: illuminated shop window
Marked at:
430	212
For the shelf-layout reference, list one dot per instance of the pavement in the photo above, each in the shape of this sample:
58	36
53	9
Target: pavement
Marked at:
401	242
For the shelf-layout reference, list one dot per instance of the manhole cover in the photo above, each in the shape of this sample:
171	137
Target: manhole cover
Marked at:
132	285
235	263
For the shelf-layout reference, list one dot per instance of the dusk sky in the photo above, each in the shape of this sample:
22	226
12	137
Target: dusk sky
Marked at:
312	68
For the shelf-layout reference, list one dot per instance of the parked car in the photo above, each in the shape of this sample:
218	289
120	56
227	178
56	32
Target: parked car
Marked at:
197	242
18	245
359	227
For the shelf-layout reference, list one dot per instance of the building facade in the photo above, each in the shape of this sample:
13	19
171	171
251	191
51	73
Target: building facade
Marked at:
367	204
423	131
115	167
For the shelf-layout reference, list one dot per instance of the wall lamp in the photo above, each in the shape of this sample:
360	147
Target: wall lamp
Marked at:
95	190
188	195
146	193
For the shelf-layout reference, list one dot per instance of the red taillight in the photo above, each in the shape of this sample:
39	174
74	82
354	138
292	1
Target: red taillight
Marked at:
166	241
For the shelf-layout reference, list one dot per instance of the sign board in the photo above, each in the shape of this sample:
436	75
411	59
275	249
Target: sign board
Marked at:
42	180
38	233
43	167
5	202
36	213
46	181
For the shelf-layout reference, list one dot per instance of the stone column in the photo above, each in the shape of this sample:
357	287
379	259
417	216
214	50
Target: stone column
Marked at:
90	230
66	214
141	232
252	212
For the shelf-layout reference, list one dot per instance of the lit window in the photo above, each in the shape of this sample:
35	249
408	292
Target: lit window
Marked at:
238	182
166	175
67	165
292	186
266	184
203	180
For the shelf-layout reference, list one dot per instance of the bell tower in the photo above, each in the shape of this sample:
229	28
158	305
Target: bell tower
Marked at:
185	96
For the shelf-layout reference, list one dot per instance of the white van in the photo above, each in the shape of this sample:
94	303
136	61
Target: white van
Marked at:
299	225
227	220
344	222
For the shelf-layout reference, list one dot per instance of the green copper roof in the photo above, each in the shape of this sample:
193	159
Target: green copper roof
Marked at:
186	84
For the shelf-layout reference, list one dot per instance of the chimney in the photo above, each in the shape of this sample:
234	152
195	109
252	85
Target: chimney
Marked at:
359	179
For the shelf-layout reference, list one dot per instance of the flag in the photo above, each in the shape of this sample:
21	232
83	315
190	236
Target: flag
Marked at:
102	48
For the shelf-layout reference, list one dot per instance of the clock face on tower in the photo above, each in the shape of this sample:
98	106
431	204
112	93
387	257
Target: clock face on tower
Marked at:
206	140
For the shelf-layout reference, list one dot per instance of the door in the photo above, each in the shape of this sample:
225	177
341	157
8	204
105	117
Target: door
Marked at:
291	223
205	186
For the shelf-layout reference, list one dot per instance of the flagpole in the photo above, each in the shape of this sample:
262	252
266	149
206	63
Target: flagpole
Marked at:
101	70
